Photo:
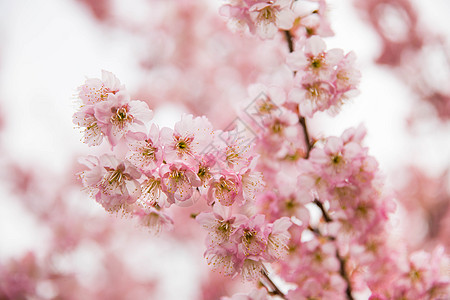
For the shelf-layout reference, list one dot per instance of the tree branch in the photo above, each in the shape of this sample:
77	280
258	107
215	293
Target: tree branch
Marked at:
342	260
325	215
274	290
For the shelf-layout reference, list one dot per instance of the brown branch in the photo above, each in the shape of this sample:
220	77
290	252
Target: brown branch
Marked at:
308	142
289	39
325	214
274	290
344	275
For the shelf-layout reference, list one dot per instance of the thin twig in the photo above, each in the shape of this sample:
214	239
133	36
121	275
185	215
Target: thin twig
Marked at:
289	39
344	275
342	261
325	214
308	143
274	290
302	121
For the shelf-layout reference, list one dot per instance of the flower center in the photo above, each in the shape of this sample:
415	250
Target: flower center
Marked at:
267	15
183	145
149	150
248	236
121	117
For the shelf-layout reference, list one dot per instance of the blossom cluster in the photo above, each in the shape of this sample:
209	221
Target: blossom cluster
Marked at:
265	18
238	244
179	166
254	186
324	79
107	111
261	17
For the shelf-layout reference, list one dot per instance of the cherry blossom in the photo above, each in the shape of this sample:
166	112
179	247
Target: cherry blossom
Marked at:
113	183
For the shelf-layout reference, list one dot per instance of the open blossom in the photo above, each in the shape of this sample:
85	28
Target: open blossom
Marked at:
252	236
220	223
269	16
261	16
252	183
234	151
85	118
190	137
315	58
179	183
96	90
324	79
146	153
312	19
226	189
153	219
113	183
337	160
223	259
278	238
238	244
152	192
267	100
206	168
279	130
313	95
119	116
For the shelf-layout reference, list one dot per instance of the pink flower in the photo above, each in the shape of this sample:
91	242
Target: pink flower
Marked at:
206	168
269	16
113	183
146	153
96	90
324	79
311	19
252	236
220	224
85	118
223	259
313	95
234	152
267	99
315	58
179	182
152	193
252	269
261	17
347	77
190	137
278	238
252	183
337	160
153	219
279	130
226	189
118	116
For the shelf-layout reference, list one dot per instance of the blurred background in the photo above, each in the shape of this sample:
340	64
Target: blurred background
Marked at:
179	56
